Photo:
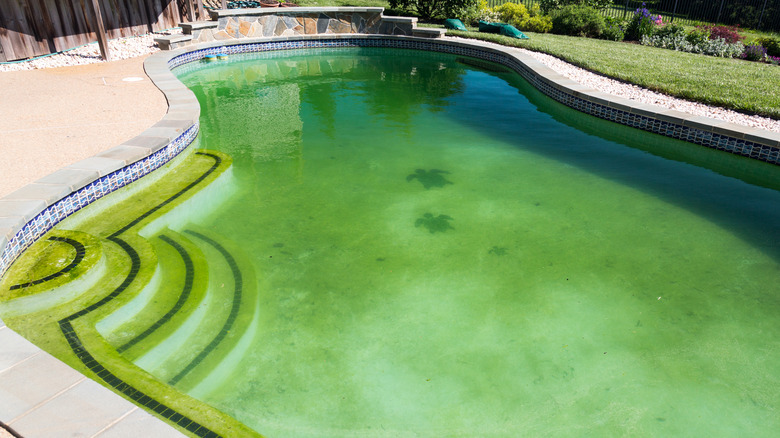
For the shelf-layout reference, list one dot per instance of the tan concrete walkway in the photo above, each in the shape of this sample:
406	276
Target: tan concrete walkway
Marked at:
49	119
55	117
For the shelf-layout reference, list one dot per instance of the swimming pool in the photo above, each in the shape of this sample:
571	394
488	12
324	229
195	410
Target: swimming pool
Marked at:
423	266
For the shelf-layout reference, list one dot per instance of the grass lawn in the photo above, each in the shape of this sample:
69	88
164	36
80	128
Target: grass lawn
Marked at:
744	86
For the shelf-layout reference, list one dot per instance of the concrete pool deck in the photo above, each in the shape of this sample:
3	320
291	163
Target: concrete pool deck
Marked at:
50	119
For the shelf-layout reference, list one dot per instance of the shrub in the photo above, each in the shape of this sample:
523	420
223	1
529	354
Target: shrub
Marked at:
539	24
642	24
772	45
427	9
698	36
578	20
469	13
754	52
548	6
679	42
729	33
517	15
512	13
669	30
613	29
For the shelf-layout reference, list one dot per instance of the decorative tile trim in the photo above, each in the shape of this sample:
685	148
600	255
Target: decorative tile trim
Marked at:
55	213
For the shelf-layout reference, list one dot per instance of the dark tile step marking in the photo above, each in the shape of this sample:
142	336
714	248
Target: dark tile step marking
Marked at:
90	362
231	319
185	294
10	430
80	251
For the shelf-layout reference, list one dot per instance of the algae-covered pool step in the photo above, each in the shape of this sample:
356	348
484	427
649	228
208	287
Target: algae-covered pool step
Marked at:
57	269
227	332
182	275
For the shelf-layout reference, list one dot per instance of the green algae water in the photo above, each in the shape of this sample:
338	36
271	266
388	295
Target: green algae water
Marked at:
439	257
427	246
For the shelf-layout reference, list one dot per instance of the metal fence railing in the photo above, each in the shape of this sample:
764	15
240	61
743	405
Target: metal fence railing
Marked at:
752	14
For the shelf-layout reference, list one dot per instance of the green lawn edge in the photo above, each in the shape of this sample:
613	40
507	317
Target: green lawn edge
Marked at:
747	87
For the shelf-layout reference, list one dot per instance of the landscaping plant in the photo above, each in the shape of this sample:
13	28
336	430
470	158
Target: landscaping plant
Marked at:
730	34
642	24
578	20
430	9
772	45
519	16
613	29
754	52
549	6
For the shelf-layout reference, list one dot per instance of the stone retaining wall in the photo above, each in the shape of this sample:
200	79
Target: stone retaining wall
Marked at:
269	22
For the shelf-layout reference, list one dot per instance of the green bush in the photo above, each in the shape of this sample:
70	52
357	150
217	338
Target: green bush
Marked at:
669	30
512	13
698	36
578	20
772	45
549	6
613	29
519	16
428	10
538	24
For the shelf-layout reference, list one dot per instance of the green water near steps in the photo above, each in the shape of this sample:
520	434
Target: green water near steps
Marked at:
445	252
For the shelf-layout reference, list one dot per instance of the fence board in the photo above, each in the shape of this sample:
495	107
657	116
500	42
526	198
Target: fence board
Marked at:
31	28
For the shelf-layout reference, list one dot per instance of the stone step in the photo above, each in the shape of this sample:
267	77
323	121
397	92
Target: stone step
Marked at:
170	42
428	32
188	28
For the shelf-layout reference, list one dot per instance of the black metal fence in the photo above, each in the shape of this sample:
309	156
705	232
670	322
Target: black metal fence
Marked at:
751	14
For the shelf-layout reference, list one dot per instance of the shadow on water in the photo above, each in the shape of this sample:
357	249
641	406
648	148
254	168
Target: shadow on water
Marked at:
737	193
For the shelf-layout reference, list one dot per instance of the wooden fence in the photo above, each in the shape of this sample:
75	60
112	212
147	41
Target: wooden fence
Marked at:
31	28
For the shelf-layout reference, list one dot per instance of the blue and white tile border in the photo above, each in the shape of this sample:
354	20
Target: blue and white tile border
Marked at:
30	212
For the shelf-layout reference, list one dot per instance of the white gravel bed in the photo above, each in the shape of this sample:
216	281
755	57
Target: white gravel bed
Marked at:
130	47
643	95
120	48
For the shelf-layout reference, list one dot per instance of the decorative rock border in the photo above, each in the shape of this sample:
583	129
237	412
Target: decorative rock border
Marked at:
28	213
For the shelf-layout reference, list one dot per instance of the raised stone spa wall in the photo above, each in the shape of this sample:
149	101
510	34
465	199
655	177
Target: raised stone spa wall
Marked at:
236	24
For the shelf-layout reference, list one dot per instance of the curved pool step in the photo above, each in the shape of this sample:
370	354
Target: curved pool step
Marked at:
225	340
79	264
172	356
183	275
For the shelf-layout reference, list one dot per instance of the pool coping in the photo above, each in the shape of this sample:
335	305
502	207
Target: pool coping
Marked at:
26	214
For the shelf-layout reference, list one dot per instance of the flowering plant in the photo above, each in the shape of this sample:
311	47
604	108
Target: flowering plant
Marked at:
642	24
754	52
